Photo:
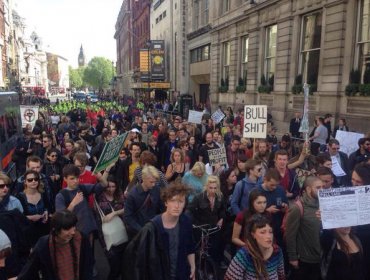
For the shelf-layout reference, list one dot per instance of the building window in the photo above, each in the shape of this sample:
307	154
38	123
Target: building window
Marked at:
196	15
200	54
225	6
225	62
363	41
310	49
205	16
270	53
244	59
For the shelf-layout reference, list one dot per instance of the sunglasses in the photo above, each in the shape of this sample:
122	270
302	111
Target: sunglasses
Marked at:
29	180
3	186
53	155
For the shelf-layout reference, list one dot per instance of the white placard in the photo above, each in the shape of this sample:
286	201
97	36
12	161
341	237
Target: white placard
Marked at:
348	141
336	168
217	116
195	117
345	207
255	121
29	115
217	156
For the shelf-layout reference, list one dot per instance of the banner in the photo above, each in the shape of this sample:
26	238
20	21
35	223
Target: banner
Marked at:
217	156
195	117
144	64
304	123
29	115
345	207
255	121
110	152
218	116
157	59
348	141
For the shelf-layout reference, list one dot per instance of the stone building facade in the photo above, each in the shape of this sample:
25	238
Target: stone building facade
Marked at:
263	48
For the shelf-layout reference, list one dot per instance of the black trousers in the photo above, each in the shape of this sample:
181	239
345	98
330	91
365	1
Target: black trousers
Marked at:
306	271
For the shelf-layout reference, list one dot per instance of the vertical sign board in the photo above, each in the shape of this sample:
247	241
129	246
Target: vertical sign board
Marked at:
29	115
218	116
195	117
110	152
144	64
217	156
255	121
157	60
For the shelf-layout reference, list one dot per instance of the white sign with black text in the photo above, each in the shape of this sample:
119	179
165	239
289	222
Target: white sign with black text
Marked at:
29	115
255	121
345	207
217	156
218	116
195	117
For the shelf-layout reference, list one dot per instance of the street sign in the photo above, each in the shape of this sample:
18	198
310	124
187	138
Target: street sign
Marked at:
29	115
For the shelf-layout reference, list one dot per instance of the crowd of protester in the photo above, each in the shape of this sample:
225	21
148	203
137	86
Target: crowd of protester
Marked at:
264	200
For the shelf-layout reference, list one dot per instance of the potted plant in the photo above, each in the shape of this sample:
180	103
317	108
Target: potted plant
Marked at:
241	85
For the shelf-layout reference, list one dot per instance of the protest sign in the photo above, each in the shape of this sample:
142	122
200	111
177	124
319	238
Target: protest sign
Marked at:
29	115
336	168
217	156
348	141
217	116
110	152
345	207
255	121
195	117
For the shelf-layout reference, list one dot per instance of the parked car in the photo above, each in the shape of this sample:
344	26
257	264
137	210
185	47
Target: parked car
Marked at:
92	98
79	96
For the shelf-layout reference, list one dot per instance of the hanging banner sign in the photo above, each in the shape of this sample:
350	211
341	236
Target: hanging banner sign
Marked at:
255	121
157	60
29	115
110	152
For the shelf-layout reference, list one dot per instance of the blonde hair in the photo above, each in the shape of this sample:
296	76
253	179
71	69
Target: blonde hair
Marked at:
150	171
198	167
182	156
212	179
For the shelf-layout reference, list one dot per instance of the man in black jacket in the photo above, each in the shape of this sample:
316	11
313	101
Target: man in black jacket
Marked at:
295	124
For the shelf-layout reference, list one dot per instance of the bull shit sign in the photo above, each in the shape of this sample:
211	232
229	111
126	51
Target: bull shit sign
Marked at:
255	121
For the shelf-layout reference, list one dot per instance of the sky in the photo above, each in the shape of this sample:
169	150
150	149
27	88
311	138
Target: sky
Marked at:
64	25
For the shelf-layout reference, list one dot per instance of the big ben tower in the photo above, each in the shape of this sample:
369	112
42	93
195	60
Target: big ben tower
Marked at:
81	58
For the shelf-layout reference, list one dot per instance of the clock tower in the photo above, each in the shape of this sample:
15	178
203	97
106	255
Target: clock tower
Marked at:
81	58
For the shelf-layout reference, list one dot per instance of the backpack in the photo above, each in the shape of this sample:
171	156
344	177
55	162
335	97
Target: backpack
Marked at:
241	195
299	204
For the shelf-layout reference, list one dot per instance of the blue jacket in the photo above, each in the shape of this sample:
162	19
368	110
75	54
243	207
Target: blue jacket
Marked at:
239	200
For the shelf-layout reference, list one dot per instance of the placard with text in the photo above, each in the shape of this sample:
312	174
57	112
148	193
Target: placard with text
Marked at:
255	121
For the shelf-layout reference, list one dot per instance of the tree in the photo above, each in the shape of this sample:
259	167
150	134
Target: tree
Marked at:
99	73
76	77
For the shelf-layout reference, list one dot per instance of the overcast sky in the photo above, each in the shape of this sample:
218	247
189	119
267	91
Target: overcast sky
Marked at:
66	24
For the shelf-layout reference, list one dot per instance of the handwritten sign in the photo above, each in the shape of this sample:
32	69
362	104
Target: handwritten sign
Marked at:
345	207
110	152
255	121
29	115
336	168
217	156
348	141
217	116
195	117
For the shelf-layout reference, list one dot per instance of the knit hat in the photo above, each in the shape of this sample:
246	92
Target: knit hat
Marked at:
4	241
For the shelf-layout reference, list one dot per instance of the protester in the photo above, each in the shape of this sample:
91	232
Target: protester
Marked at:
239	200
176	169
260	258
303	233
256	205
195	178
7	201
164	248
63	254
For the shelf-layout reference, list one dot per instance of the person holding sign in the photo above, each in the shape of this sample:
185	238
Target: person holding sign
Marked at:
303	233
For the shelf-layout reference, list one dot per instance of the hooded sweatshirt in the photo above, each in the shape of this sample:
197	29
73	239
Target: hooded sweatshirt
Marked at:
239	200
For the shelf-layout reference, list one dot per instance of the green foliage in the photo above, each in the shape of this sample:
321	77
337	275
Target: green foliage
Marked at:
297	89
364	90
264	89
313	88
99	73
272	81
240	88
224	85
241	82
355	77
352	89
76	77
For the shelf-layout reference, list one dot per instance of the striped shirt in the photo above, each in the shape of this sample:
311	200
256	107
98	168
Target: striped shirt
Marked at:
242	266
